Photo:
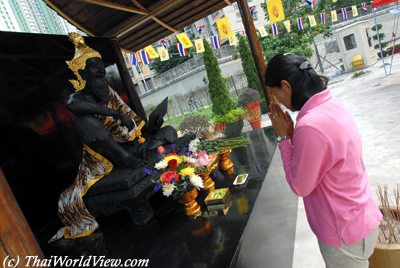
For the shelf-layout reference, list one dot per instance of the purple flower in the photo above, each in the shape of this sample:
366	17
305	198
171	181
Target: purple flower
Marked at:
148	171
157	187
183	151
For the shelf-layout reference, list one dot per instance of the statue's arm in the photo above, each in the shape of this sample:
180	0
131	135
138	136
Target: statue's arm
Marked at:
78	105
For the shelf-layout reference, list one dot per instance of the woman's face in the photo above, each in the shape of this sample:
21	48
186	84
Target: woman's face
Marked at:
283	94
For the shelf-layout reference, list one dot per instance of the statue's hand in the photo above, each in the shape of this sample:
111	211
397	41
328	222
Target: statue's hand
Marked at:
126	120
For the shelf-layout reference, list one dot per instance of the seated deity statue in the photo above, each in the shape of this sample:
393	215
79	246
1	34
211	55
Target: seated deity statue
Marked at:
111	133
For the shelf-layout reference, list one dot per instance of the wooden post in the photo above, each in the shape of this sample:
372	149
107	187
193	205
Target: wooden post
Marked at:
255	45
16	238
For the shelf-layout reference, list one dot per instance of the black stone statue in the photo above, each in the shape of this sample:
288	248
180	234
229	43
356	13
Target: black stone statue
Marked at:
117	145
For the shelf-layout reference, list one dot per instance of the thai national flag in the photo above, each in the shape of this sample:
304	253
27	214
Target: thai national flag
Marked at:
300	23
274	28
344	13
181	50
323	18
252	9
144	57
133	59
311	3
364	7
200	28
164	42
215	41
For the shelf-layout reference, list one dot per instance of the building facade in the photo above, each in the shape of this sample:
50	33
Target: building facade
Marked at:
8	21
32	16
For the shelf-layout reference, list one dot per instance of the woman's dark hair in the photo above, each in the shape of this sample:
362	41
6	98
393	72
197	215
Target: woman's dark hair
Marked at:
305	82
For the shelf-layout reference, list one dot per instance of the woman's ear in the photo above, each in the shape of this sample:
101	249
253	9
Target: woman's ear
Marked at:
285	85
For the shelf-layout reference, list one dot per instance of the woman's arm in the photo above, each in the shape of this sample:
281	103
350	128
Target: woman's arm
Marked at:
306	159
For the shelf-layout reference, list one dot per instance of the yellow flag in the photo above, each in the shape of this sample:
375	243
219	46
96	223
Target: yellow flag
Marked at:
163	52
262	31
224	28
151	51
334	15
275	10
232	40
144	68
184	40
355	11
287	25
199	45
312	21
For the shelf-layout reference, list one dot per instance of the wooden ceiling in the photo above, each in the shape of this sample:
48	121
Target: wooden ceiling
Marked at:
134	23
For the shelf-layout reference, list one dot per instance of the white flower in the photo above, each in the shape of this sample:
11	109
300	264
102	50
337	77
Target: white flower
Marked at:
196	181
168	189
161	165
191	160
193	145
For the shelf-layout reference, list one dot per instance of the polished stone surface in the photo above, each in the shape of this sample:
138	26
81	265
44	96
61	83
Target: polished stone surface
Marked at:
173	240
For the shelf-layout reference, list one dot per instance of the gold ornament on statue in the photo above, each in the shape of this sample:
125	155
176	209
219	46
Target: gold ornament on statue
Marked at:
82	53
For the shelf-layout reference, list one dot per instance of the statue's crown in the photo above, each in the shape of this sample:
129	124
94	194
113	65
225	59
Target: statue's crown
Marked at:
82	53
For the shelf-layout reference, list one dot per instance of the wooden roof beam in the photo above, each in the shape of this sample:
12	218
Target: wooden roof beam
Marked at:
228	2
116	6
165	25
188	11
147	17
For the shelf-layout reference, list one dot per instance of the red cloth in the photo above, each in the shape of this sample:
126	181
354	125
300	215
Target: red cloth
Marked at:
377	3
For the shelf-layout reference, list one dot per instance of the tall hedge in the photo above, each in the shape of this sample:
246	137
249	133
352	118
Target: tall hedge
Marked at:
249	67
221	102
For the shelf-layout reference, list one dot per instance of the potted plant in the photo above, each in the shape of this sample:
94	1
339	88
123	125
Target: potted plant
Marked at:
232	122
250	101
196	124
387	249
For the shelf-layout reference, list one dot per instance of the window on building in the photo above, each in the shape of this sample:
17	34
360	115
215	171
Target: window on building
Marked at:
350	41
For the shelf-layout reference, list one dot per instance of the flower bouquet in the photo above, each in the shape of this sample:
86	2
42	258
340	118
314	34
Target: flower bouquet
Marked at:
175	175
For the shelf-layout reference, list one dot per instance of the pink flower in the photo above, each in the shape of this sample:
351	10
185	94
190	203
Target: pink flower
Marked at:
202	158
160	149
169	177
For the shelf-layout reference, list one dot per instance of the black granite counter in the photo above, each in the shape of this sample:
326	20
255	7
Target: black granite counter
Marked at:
258	230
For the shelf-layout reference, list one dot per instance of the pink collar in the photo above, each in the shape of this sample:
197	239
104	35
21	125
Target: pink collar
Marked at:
314	101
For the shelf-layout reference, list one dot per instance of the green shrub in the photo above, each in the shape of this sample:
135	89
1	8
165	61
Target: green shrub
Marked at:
383	45
195	124
221	103
381	35
248	96
249	67
373	28
232	116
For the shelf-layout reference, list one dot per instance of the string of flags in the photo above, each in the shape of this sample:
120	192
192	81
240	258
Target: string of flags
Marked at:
275	13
